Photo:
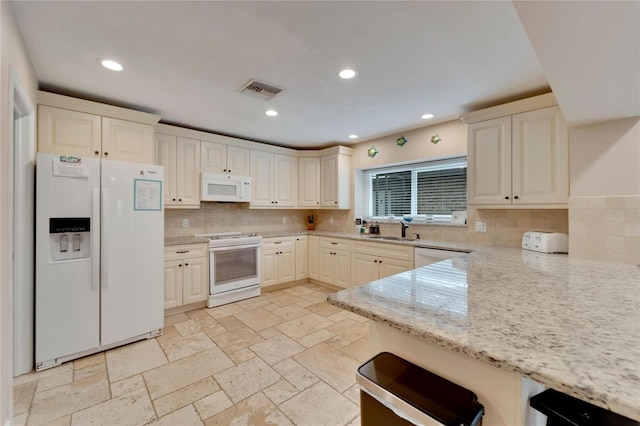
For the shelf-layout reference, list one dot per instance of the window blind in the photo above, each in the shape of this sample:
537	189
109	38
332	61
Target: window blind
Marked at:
425	189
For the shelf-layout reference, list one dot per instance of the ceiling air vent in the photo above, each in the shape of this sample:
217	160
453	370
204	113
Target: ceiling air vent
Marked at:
260	89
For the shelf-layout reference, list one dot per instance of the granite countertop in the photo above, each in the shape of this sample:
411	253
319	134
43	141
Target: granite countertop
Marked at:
177	241
572	325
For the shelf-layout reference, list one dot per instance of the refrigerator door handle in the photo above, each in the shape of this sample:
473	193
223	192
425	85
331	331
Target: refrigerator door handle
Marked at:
95	240
105	239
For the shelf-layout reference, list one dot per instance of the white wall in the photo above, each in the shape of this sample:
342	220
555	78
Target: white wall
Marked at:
605	158
12	55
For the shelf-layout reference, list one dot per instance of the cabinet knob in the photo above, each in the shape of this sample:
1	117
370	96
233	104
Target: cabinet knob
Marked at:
224	170
173	199
380	261
180	265
96	152
375	261
515	197
229	170
276	202
106	154
179	199
335	202
318	202
506	198
186	264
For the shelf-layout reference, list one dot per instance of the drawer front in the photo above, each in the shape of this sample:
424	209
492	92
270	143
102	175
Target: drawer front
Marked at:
186	251
268	243
334	243
394	251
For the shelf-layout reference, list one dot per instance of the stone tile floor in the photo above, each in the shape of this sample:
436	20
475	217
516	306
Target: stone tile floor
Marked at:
284	358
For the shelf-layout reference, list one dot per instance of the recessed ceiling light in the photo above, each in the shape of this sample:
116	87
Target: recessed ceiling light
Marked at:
347	74
112	65
353	136
271	113
426	116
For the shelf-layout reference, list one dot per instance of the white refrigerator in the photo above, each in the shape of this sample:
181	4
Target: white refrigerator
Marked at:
99	256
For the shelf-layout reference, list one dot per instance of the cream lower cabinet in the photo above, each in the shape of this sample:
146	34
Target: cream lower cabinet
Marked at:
519	160
334	262
302	257
314	257
373	261
186	274
278	261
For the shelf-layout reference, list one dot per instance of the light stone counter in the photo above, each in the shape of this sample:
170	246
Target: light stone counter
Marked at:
569	324
178	241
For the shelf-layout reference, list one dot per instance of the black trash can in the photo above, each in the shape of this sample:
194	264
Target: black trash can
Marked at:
564	410
395	392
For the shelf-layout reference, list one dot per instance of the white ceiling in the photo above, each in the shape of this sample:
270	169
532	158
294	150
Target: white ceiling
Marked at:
186	62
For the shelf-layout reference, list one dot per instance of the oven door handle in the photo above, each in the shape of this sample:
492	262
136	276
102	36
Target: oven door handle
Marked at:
227	248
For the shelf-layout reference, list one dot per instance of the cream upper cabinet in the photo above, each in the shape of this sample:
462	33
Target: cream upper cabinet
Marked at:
302	257
66	132
278	261
127	141
519	160
274	180
225	159
181	160
335	181
309	182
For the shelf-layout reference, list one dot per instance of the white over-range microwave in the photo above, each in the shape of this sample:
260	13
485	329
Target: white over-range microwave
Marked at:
219	187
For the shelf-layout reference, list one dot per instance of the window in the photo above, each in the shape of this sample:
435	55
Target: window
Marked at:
428	191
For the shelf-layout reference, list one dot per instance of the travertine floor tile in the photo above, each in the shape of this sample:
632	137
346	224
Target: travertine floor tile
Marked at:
276	349
133	359
224	310
33	376
246	379
176	346
270	332
185	396
231	323
22	397
255	302
286	299
315	338
358	350
64	400
296	374
350	329
172	319
319	405
298	290
20	420
89	361
238	357
171	377
212	404
330	365
290	312
188	327
280	392
258	319
203	320
303	326
186	416
255	410
133	408
127	385
324	309
83	373
53	382
353	393
233	341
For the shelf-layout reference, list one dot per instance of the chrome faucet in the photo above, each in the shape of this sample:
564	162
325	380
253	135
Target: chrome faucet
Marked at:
404	229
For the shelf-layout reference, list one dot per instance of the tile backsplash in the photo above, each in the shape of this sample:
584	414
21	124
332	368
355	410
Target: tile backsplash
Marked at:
605	228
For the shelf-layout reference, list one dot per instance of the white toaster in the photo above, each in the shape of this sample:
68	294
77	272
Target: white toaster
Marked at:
545	242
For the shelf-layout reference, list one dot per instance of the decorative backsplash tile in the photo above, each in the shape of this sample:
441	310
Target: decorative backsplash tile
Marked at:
605	228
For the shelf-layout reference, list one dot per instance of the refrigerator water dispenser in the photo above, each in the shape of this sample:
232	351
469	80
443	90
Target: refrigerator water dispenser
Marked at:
69	238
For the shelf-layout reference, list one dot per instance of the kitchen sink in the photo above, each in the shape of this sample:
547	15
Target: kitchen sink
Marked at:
381	237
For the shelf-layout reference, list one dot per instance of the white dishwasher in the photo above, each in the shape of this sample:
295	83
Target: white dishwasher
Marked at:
427	256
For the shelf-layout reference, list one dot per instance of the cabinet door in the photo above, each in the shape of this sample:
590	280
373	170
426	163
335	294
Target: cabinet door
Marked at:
188	172
261	178
302	257
269	267
165	155
195	280
540	157
127	141
364	268
173	283
309	182
285	180
342	274
329	181
388	267
238	161
314	257
489	162
65	132
286	265
213	157
327	265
